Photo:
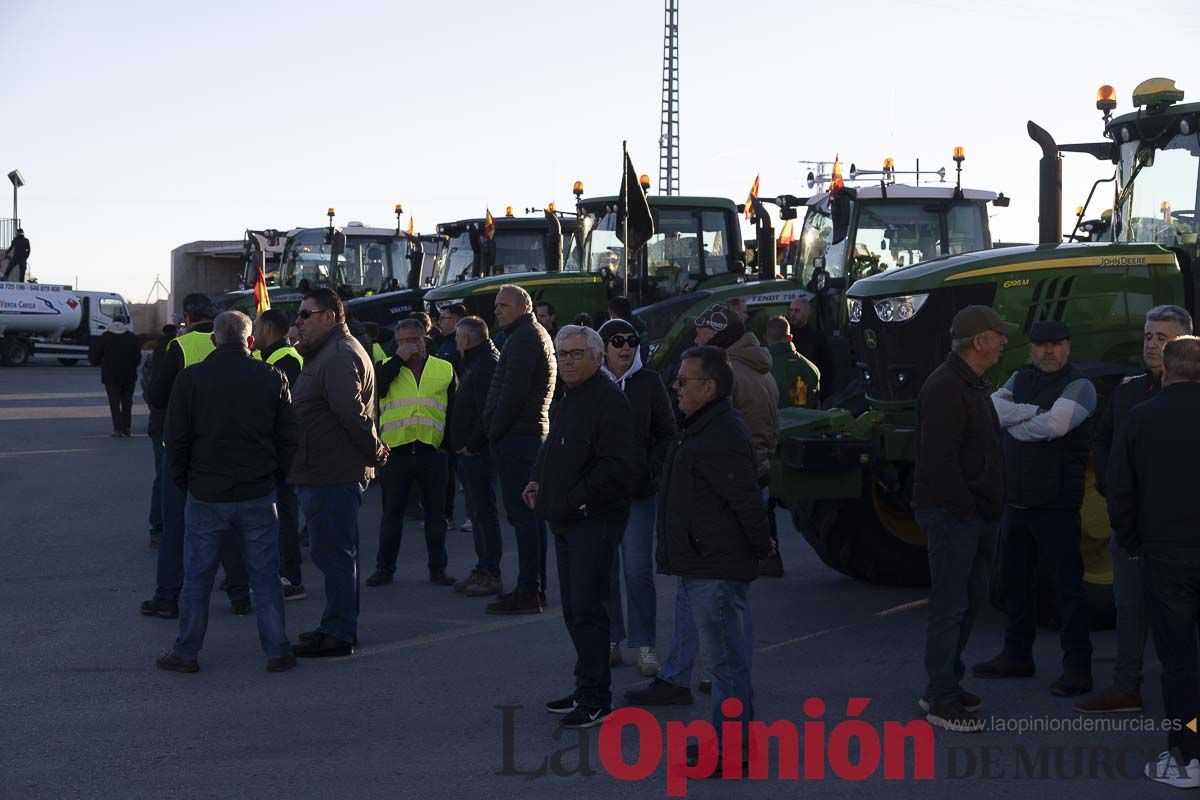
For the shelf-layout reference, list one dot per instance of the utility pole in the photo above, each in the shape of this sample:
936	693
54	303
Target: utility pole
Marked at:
668	137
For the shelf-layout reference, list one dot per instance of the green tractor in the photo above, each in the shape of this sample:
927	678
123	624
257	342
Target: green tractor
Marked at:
354	260
846	478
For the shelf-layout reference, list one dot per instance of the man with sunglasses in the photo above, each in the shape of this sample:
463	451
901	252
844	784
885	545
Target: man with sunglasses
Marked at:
581	486
334	399
654	426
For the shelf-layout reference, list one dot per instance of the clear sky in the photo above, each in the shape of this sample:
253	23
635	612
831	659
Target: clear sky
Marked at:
140	126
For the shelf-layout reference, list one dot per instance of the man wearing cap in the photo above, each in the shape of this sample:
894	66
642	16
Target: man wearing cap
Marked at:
958	496
1045	409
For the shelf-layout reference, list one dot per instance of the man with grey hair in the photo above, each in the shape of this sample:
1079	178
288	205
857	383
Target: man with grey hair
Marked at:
1156	520
516	417
582	485
228	458
1163	324
958	496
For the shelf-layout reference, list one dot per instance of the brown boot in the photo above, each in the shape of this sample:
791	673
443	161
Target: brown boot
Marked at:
1004	666
519	601
1111	701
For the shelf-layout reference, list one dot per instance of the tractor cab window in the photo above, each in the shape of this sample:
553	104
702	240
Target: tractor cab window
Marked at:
688	247
456	261
815	239
892	234
965	226
1161	207
364	264
519	251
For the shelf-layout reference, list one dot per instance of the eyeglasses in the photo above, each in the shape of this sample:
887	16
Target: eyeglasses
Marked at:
683	380
305	313
573	355
623	339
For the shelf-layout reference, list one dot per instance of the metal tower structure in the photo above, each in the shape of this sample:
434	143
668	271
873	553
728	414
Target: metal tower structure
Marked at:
668	136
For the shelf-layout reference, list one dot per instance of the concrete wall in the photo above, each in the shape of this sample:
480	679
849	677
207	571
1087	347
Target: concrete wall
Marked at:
211	267
148	318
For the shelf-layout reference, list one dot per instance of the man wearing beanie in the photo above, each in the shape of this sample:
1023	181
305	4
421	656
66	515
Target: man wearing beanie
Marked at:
654	426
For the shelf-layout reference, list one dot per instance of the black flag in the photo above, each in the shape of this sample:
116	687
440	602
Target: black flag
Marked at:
634	204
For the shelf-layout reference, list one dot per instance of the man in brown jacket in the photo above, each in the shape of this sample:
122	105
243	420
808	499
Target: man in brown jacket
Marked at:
958	496
334	400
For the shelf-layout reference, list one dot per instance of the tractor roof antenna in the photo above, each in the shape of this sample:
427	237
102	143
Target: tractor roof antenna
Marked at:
668	132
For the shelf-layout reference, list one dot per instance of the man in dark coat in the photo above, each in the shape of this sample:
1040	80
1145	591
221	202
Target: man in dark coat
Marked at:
712	533
812	344
582	485
117	353
517	417
1156	520
473	461
18	256
958	497
154	429
1163	324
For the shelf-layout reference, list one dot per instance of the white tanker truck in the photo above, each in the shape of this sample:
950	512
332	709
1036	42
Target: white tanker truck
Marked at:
39	319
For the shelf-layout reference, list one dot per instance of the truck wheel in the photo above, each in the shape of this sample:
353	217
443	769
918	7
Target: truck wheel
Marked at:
871	538
14	353
68	362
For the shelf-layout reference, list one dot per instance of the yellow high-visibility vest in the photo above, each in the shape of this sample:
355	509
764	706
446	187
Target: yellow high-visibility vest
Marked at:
377	354
195	347
281	353
411	413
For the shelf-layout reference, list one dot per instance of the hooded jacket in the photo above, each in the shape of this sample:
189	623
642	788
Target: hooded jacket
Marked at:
755	396
117	353
653	423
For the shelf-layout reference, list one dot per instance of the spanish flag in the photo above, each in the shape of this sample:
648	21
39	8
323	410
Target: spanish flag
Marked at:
750	199
489	225
412	228
786	237
262	300
837	184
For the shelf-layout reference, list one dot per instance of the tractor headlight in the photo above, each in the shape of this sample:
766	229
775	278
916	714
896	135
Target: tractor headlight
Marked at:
899	309
855	308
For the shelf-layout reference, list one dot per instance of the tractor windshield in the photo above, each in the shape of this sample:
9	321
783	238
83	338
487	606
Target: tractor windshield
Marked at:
455	263
365	264
1162	192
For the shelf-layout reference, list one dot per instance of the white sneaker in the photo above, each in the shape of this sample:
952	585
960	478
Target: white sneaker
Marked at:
466	526
1167	769
647	662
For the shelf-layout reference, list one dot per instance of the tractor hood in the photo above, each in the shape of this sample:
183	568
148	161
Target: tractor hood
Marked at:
1007	264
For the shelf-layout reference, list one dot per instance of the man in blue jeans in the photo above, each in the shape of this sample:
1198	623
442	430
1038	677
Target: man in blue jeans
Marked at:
516	416
228	457
478	358
335	404
958	496
712	533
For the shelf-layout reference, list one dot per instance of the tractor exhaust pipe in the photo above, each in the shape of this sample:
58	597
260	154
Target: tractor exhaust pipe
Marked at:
1049	186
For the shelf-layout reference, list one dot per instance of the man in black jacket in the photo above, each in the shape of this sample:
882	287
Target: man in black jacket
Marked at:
812	344
154	429
18	256
516	417
473	461
1163	324
1157	521
581	485
189	348
117	353
958	496
229	457
712	533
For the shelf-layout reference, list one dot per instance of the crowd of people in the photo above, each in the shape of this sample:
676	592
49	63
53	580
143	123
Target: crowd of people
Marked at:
587	449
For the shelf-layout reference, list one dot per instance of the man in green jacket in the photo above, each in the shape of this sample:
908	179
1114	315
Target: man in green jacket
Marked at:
798	379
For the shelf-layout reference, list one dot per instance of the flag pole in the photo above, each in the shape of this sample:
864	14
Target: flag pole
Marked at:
625	222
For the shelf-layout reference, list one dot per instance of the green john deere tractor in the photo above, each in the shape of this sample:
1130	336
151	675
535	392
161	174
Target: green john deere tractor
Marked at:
847	479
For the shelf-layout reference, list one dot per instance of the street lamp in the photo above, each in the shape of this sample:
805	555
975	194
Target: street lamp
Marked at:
17	181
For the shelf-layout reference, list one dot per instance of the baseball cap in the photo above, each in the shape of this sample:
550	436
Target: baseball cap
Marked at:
1049	330
974	320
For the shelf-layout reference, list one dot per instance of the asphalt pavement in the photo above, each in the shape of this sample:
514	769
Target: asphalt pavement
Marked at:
442	700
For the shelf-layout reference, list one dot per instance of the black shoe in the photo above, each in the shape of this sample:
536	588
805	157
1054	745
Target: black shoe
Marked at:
325	647
293	591
585	717
441	579
379	578
519	601
173	663
564	706
971	702
242	607
158	607
1004	666
281	664
705	687
308	636
1071	684
660	693
953	717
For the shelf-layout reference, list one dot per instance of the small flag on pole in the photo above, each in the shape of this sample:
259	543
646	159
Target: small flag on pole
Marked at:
489	225
786	237
412	228
633	207
837	184
750	199
262	300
